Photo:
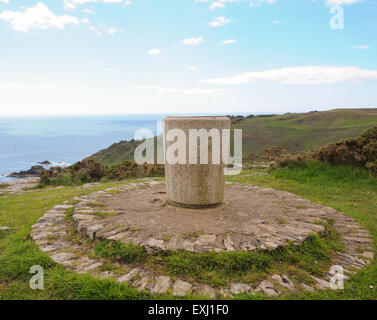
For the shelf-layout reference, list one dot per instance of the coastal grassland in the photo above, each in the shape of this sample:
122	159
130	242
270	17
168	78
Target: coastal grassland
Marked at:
304	131
292	131
348	189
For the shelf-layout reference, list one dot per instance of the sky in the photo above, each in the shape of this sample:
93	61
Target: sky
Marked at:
67	57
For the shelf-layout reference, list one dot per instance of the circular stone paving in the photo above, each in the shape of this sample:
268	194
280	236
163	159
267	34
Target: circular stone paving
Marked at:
251	218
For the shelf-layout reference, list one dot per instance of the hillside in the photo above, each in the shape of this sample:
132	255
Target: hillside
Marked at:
292	131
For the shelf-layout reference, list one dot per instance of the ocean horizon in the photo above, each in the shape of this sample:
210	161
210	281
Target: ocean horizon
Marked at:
64	140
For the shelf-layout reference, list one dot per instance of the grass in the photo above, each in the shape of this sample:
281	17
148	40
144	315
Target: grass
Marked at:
347	189
218	269
304	131
4	185
119	252
293	131
95	205
104	214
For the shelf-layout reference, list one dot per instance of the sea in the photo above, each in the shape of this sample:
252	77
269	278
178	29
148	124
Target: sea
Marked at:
64	140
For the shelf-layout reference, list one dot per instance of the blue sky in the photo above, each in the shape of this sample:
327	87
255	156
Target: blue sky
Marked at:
186	56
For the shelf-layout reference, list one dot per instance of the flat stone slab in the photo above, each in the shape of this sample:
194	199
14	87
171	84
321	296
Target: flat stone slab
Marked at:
250	219
20	186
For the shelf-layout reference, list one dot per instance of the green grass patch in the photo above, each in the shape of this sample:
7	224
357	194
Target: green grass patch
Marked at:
69	213
321	174
104	214
116	251
95	205
218	269
114	191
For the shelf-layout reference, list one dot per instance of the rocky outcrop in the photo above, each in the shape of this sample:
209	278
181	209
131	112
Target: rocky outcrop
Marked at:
46	162
34	171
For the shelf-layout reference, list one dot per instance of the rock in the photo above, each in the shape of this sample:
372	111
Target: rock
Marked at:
91	230
267	288
42	235
368	255
46	162
206	291
34	171
228	243
154	243
306	287
143	283
247	246
321	284
82	217
181	288
207	239
61	257
284	281
130	275
225	293
269	245
63	206
48	248
162	285
4	228
90	265
238	288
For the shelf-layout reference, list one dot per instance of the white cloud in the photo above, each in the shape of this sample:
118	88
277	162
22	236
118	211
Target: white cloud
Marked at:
154	51
88	11
363	47
192	68
12	84
127	3
276	22
109	69
192	41
216	4
341	2
37	17
301	75
192	91
72	4
218	22
4	1
103	29
229	41
254	3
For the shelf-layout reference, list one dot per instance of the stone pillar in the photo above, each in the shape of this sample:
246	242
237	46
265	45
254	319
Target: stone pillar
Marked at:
195	185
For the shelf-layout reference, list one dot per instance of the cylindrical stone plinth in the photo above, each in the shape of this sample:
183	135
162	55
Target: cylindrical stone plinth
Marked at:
195	185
